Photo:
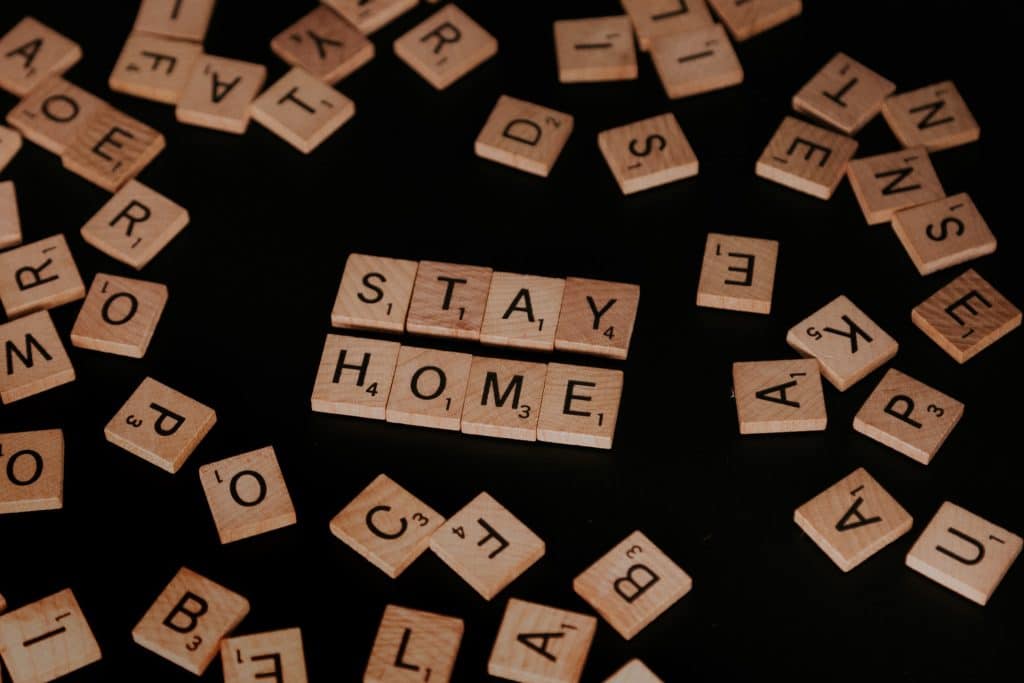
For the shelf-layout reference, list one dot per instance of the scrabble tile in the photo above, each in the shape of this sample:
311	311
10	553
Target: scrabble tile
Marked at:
110	148
323	44
632	585
370	15
738	273
47	639
845	94
887	183
486	545
446	47
779	396
540	644
448	300
966	316
696	62
522	311
3	604
806	158
218	93
429	388
354	376
943	233
503	398
387	525
414	646
524	136
935	117
10	143
10	220
119	315
30	53
847	344
36	359
597	317
189	619
276	655
181	19
580	405
596	49
154	68
31	471
964	553
160	425
853	519
908	416
38	276
53	113
247	495
648	153
374	293
634	671
655	18
302	110
747	18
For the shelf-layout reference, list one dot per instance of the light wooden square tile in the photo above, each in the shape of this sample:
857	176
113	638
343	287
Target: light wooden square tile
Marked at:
779	396
964	553
595	49
806	158
154	68
374	293
847	344
10	219
446	47
160	425
887	183
448	300
181	19
31	471
648	153
119	315
655	18
37	276
355	376
219	92
323	44
580	405
634	671
845	94
738	273
503	398
966	316
486	545
412	645
32	52
943	233
247	495
274	655
935	117
747	18
3	604
36	359
597	317
908	416
47	639
53	113
696	62
522	311
189	619
540	644
10	143
525	136
429	388
302	110
370	15
110	147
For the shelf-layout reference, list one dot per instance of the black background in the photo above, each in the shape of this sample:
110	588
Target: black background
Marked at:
253	276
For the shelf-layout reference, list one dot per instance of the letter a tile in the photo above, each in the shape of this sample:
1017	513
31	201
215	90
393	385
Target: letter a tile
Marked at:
31	471
374	293
503	398
302	110
648	153
35	357
355	376
522	311
540	644
935	117
32	52
580	405
779	396
696	62
119	315
446	47
887	183
524	136
414	646
635	671
323	44
219	92
247	495
596	49
429	388
806	158
47	639
845	94
38	276
275	655
738	273
943	233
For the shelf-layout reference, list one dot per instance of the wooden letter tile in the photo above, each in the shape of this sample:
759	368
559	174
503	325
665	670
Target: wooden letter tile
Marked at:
487	546
302	110
429	388
189	619
964	553
648	153
632	585
747	18
31	471
30	53
323	44
908	416
370	15
354	376
539	644
779	396
10	219
110	147
36	359
119	316
414	646
522	311
845	94
943	233
580	405
160	425
247	495
935	117
219	92
448	300
503	398
274	655
54	113
655	18
597	317
847	344
635	671
806	158
966	316
524	136
597	49
47	639
374	293
3	607
738	273
10	143
888	183
446	47
154	68
696	62
38	276
181	19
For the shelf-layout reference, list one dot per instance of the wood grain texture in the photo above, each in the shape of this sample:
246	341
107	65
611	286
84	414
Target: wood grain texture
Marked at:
446	47
806	158
738	273
580	405
429	388
35	361
648	153
31	471
54	112
935	117
412	645
110	147
595	49
277	655
370	15
448	300
10	218
302	110
247	495
655	18
10	143
779	396
374	293
597	317
887	183
748	18
323	44
523	135
47	639
503	398
634	671
844	94
32	53
522	311
119	315
154	68
219	92
180	19
38	276
540	644
352	390
696	62
943	233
